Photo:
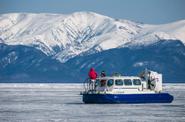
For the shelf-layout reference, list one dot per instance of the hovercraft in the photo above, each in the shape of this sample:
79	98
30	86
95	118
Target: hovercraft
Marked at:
145	88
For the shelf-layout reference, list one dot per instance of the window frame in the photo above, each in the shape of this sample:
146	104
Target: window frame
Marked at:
97	83
112	82
136	84
119	84
128	84
103	82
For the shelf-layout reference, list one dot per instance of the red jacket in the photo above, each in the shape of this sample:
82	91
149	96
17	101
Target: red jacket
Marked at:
92	74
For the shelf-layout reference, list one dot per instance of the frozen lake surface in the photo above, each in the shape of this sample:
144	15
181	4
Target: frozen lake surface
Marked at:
62	103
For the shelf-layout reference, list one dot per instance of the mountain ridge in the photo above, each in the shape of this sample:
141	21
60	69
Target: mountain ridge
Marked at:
52	46
66	36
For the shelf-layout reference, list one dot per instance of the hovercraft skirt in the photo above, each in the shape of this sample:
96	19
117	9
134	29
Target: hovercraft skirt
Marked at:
128	98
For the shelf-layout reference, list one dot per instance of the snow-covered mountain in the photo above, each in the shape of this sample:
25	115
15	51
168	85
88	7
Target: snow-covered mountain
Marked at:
65	38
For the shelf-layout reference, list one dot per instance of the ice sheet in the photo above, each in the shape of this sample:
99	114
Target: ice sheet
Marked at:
62	103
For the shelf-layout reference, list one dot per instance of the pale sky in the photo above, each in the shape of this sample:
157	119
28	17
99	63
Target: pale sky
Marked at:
146	11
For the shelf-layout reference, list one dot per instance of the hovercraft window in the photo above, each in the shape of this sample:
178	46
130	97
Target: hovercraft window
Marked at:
97	83
127	82
136	82
110	82
119	82
102	83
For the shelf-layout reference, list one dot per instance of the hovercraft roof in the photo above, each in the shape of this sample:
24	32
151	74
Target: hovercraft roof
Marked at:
118	77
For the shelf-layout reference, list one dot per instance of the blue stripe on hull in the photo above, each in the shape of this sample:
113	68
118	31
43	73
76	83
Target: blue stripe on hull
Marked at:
128	98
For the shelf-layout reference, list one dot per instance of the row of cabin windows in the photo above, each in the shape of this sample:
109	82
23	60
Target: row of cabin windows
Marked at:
119	82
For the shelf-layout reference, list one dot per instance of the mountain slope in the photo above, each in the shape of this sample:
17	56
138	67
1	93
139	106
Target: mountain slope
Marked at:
26	64
167	57
33	46
66	36
62	36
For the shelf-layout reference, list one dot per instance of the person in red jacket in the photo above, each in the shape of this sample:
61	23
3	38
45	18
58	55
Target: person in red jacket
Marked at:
92	74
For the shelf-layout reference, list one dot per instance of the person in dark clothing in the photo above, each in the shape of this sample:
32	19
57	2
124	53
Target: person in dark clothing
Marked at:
103	82
103	74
